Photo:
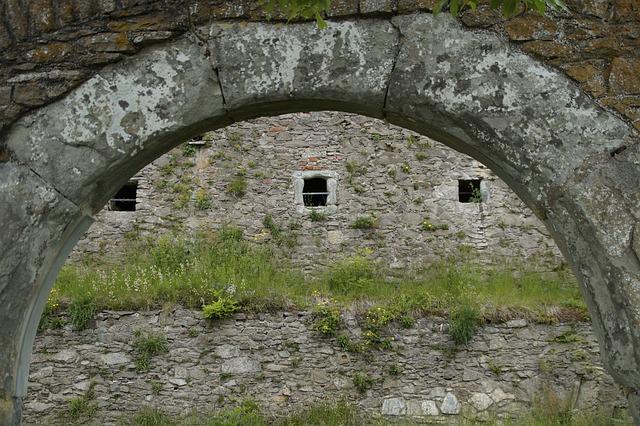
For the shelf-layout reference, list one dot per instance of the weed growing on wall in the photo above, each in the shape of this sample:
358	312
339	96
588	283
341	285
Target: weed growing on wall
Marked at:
280	237
317	216
365	222
426	225
147	345
362	381
149	416
83	407
327	319
351	275
237	187
202	200
462	323
182	195
223	306
81	311
548	410
188	150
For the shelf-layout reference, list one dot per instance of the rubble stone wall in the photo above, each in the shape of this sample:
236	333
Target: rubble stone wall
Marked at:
406	182
281	363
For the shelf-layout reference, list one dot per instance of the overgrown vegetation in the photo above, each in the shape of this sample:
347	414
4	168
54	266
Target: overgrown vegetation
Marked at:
237	187
327	319
222	307
202	200
81	312
225	273
365	222
362	381
147	345
462	323
508	7
426	225
281	237
317	216
82	408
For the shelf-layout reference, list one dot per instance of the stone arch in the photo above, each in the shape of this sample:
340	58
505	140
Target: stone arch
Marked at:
576	165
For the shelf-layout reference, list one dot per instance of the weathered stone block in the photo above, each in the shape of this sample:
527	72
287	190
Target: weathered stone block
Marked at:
41	15
394	407
547	49
107	42
598	8
450	404
343	8
34	217
531	27
625	76
345	66
50	52
405	6
376	6
482	17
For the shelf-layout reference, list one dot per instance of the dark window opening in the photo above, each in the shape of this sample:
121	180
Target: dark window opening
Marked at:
469	191
314	192
125	198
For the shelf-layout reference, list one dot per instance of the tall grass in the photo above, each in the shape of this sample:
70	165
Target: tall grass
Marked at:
194	272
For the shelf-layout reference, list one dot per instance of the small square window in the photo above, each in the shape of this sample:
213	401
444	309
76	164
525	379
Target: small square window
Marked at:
125	198
315	192
469	191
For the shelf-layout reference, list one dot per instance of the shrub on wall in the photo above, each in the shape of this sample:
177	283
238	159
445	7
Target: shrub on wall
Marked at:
462	323
365	222
223	307
203	202
237	187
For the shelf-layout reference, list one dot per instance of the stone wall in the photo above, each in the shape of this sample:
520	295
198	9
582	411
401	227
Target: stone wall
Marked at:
48	47
404	180
279	361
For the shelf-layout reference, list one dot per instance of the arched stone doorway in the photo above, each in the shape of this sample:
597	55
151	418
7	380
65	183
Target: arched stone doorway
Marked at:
576	165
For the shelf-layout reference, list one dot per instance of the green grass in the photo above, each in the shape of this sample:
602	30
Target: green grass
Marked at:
148	345
237	187
259	278
83	407
365	222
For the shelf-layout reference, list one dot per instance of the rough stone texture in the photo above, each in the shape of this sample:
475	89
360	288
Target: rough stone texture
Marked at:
265	65
285	366
165	94
34	217
81	36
